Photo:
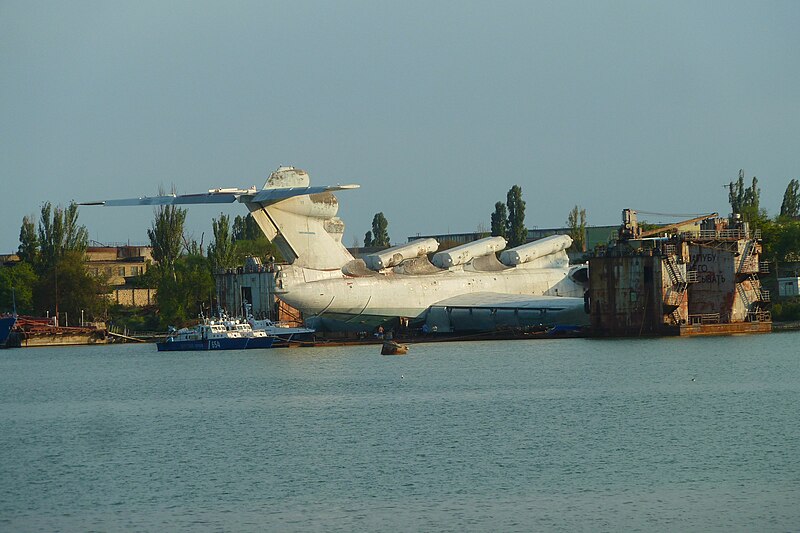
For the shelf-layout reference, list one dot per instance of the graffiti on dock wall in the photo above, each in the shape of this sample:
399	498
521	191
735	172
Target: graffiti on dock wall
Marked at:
709	267
714	282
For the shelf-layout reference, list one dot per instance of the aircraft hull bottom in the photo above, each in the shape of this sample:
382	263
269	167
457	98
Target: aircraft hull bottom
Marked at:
568	312
445	319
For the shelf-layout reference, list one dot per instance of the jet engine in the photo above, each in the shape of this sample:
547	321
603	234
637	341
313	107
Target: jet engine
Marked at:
466	252
535	250
397	254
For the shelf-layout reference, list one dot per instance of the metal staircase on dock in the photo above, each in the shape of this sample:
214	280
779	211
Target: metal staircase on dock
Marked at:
761	296
745	262
676	292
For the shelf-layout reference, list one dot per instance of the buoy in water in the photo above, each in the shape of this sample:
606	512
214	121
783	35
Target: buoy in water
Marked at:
393	348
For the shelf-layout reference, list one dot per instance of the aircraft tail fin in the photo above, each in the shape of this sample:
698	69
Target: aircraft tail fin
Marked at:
301	219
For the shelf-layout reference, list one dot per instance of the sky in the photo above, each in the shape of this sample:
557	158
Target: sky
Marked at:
435	108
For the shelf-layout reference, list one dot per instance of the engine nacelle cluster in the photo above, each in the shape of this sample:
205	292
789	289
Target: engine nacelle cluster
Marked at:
535	250
466	252
397	254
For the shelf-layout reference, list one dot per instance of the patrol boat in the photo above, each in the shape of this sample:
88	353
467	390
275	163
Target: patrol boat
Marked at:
204	336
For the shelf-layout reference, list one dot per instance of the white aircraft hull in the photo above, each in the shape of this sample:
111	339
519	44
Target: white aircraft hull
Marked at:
409	296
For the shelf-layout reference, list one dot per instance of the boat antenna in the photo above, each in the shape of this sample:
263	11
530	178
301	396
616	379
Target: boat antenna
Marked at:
13	301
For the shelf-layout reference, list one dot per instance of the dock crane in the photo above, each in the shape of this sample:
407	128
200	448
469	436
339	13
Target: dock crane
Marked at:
630	226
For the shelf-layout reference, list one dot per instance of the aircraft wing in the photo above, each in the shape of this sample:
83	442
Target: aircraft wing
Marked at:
222	196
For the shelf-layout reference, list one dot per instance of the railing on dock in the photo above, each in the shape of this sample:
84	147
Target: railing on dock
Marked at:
705	318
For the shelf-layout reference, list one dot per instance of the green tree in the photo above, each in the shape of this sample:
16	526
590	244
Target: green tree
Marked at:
576	222
246	228
222	252
192	247
367	239
183	296
260	247
66	287
745	201
58	255
16	287
500	220
380	230
59	234
736	193
790	207
517	233
250	241
28	250
166	235
781	240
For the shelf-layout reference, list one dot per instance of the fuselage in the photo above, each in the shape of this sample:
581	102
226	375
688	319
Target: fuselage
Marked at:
399	295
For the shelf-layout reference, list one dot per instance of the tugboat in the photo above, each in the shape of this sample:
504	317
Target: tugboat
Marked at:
205	336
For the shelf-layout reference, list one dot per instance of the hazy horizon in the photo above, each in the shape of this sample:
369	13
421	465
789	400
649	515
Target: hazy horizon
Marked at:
435	109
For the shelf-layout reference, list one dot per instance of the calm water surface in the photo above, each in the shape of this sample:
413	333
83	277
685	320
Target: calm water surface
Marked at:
660	434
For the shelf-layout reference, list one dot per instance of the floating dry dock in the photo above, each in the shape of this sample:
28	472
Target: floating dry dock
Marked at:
700	282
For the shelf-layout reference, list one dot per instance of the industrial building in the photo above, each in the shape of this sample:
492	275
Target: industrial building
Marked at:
789	287
120	265
663	282
253	285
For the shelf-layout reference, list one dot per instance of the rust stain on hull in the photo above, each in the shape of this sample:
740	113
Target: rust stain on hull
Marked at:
725	329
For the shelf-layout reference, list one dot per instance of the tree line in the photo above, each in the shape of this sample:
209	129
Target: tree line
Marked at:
780	234
52	278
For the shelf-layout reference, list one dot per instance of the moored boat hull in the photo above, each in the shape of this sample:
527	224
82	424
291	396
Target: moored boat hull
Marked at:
260	342
6	323
239	343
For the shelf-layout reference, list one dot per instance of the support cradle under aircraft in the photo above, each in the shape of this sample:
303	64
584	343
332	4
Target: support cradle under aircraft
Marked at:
325	282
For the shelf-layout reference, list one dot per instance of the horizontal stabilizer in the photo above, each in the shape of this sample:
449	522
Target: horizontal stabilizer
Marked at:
271	196
210	197
222	196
